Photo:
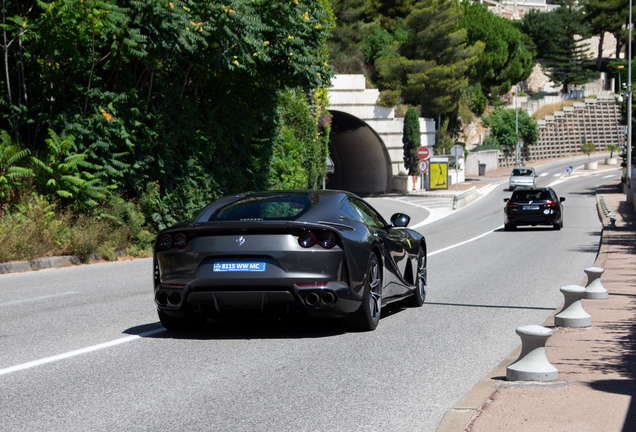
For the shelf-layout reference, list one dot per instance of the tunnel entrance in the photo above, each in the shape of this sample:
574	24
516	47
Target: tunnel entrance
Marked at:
362	163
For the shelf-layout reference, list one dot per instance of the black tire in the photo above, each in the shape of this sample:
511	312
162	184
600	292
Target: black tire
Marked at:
558	226
419	296
367	317
181	324
509	227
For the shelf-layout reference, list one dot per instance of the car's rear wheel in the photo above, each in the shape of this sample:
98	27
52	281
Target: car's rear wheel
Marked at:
557	226
509	227
181	324
419	295
367	317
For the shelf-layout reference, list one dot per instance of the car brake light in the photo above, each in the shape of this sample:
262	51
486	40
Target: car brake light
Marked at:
550	203
165	241
512	205
307	239
180	240
327	240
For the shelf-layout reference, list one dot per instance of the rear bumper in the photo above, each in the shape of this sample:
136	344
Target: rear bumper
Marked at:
518	220
331	299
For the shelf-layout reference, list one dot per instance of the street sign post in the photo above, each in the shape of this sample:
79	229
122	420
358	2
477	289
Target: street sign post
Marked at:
422	152
422	166
457	151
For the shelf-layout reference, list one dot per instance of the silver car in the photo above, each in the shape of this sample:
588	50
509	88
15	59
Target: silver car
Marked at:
522	176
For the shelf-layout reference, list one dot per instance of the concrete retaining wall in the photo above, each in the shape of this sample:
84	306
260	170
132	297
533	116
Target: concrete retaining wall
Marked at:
488	157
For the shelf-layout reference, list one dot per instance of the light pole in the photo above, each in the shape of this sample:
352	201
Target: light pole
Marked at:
628	165
517	124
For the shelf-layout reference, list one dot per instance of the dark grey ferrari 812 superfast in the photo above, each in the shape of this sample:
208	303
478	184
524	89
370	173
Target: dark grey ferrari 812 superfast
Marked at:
325	253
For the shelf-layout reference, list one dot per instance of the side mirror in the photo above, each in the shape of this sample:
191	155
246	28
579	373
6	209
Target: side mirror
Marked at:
506	199
400	220
562	199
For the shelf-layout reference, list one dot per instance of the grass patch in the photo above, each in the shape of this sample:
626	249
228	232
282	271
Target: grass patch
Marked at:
36	228
551	108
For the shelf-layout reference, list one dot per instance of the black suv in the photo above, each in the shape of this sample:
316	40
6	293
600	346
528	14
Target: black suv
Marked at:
533	206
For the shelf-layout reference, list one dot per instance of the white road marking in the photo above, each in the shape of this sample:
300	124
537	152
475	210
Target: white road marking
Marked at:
435	213
556	182
557	175
610	176
464	242
37	298
543	175
63	356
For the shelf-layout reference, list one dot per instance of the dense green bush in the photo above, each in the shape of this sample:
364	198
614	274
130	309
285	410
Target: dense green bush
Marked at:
170	104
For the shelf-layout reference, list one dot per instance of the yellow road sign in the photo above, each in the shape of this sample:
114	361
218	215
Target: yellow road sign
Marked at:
438	175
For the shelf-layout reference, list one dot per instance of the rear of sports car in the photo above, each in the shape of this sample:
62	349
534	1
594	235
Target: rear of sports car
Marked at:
253	256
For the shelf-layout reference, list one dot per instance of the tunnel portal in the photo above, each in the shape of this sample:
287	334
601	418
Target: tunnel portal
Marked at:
361	160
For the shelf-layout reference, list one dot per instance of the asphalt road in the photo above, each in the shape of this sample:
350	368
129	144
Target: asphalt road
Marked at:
81	348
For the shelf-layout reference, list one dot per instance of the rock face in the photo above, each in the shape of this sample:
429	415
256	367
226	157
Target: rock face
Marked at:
609	46
538	81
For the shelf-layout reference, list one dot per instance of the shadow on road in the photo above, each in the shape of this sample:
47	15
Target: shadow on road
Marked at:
252	327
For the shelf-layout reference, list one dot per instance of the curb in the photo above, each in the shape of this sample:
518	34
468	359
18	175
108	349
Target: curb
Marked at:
459	417
37	264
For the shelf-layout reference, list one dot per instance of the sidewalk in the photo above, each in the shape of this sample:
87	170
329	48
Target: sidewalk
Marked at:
597	365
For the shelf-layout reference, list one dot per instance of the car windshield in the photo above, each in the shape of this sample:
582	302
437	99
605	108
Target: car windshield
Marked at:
522	172
264	207
528	195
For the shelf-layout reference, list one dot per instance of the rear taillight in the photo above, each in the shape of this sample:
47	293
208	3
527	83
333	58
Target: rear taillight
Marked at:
512	205
326	239
307	239
166	241
180	240
550	203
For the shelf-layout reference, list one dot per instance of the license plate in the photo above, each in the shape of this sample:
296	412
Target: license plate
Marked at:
239	266
531	207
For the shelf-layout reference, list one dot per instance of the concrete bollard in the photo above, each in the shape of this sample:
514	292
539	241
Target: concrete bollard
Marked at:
573	314
594	288
532	364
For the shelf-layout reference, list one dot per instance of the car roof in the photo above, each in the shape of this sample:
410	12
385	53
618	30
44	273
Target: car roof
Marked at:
325	195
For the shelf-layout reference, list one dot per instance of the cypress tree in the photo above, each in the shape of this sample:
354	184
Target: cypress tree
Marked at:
411	140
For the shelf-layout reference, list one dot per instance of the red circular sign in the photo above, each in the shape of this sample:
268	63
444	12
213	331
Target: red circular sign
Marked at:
422	152
422	165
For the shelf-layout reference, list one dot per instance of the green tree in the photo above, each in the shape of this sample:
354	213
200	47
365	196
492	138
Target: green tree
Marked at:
411	140
429	69
177	100
603	16
354	19
508	55
612	148
543	29
566	63
588	149
503	124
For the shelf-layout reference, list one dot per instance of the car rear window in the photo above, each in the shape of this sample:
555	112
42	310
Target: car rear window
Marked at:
522	172
531	195
264	207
